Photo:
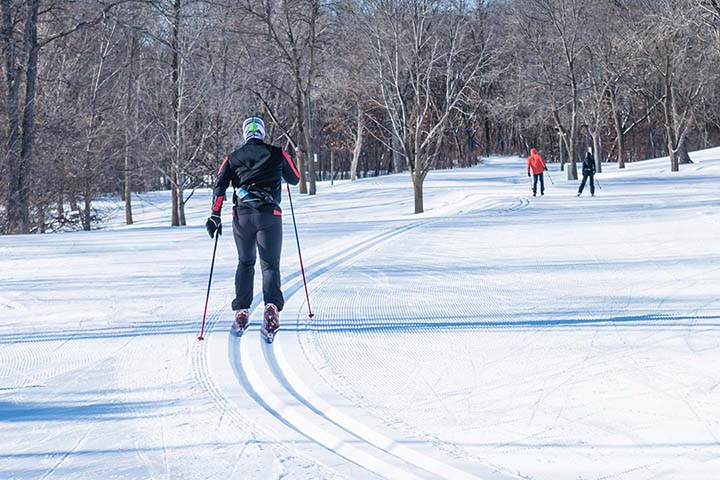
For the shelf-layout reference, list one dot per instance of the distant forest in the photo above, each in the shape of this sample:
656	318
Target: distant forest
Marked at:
112	97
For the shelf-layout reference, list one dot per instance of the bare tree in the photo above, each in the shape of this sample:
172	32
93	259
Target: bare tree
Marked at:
710	15
118	96
131	120
671	50
21	47
298	32
554	31
183	130
424	70
20	62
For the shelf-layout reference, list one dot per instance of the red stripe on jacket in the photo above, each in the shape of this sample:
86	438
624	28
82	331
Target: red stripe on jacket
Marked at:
292	165
218	203
225	160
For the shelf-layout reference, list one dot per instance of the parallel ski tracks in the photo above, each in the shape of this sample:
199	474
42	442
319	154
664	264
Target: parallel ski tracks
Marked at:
348	439
389	325
232	411
253	384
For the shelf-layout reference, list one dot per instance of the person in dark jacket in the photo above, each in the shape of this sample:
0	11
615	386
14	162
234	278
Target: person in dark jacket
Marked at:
588	171
256	171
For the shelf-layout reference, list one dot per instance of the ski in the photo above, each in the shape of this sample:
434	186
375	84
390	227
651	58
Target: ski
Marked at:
241	322
271	323
237	330
268	335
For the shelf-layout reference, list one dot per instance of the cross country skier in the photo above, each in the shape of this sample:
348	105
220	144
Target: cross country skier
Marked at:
256	171
588	170
537	165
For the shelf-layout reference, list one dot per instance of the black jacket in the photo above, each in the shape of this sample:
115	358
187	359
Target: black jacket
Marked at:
256	169
588	167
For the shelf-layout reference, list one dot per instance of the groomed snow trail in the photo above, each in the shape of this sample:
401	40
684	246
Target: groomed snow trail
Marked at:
496	336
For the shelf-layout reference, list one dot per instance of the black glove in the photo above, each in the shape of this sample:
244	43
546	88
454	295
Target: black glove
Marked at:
214	224
529	174
546	168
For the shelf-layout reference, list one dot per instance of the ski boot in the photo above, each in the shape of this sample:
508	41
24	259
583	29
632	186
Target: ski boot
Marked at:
241	322
271	323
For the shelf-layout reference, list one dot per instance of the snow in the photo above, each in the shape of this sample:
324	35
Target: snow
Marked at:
496	336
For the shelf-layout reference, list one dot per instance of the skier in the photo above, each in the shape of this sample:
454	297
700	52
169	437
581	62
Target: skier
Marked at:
537	165
588	170
256	171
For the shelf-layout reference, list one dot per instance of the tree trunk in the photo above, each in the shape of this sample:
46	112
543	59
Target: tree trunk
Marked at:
12	123
42	215
175	216
28	128
61	201
683	155
303	154
670	133
670	124
20	162
418	191
130	132
87	172
619	130
674	163
488	150
300	161
87	210
572	146
397	157
597	150
309	146
620	138
127	189
358	143
178	212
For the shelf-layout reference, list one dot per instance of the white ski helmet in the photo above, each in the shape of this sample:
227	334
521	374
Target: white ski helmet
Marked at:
254	127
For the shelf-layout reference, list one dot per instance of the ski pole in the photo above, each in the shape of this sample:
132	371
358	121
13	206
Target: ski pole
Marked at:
297	240
598	183
551	180
207	297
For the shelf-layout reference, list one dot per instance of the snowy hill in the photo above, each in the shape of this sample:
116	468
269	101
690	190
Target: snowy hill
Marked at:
495	336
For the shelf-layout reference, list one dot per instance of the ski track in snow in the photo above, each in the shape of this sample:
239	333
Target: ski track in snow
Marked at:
55	467
302	414
234	410
390	324
303	426
343	422
437	349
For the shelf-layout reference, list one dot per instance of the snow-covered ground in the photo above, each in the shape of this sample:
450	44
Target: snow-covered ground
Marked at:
496	336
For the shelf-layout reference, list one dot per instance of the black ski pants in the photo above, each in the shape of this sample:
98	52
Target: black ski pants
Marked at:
592	183
537	176
257	230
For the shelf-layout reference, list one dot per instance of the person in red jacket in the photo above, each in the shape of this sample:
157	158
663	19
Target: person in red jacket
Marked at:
537	165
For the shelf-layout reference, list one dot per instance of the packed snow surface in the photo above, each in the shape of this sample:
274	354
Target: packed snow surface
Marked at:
496	336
